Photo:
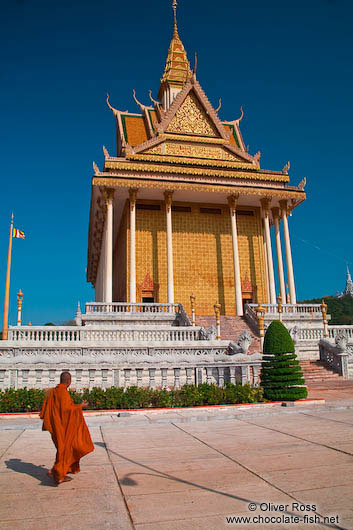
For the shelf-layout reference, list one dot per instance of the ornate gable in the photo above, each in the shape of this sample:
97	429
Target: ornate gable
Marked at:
191	118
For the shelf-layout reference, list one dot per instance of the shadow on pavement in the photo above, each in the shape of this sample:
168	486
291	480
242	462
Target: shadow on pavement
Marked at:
127	480
38	472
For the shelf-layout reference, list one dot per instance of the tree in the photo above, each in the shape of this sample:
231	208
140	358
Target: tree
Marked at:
281	374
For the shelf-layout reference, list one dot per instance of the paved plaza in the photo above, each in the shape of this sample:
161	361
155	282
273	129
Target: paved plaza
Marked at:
184	470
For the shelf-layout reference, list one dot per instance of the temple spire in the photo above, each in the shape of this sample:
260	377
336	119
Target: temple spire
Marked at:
175	34
177	69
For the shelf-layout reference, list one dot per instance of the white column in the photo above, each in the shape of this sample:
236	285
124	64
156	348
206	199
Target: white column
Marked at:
266	267
108	268
282	287
132	194
232	201
265	203
168	206
290	272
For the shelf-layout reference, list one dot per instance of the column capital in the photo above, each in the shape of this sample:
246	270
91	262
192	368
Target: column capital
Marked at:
132	196
107	194
233	201
275	212
265	204
168	196
284	205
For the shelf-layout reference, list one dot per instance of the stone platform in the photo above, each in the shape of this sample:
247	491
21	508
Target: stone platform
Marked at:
186	470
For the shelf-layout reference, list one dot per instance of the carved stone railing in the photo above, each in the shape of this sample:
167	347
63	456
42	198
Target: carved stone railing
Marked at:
110	334
126	307
333	355
334	330
251	317
310	333
311	311
163	366
44	333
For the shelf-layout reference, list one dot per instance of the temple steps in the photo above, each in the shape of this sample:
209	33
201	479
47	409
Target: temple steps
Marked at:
231	328
316	372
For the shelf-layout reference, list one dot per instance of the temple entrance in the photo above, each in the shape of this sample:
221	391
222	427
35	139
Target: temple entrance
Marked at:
148	299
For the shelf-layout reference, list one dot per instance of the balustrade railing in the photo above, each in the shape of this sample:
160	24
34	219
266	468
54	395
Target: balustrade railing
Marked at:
126	307
152	376
74	334
333	331
334	357
298	309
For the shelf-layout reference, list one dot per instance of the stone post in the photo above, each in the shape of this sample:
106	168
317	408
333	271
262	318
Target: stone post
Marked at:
192	301
265	203
280	308
324	317
290	272
282	287
260	313
132	195
217	310
19	306
232	201
168	204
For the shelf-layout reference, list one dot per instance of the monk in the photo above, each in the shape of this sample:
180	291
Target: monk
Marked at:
65	422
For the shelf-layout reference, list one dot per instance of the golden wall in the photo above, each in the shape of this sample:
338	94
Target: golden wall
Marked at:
202	254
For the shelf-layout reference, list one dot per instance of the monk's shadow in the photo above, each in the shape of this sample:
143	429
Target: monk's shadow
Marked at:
38	472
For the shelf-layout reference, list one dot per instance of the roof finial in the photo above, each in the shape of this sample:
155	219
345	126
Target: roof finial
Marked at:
175	3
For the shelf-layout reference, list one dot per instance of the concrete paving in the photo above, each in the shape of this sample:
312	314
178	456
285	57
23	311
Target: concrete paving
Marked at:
188	469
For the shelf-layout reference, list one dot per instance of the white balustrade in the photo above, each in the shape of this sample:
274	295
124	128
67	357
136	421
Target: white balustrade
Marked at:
107	334
333	331
126	307
309	309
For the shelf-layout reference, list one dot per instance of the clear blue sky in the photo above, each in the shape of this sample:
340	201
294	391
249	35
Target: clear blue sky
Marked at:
290	64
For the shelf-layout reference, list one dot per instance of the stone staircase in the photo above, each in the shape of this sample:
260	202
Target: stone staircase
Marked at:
317	373
231	328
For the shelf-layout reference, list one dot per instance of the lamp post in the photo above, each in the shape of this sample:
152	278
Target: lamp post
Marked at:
280	307
260	313
217	310
192	302
324	317
19	306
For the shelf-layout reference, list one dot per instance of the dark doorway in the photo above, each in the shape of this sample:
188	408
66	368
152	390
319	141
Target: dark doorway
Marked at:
148	300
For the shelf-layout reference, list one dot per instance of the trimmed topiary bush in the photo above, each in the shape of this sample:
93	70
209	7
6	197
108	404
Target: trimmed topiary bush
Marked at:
281	374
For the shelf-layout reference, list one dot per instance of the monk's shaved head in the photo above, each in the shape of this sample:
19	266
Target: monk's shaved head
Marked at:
65	378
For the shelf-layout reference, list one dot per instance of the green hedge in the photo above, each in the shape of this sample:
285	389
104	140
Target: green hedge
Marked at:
30	400
281	374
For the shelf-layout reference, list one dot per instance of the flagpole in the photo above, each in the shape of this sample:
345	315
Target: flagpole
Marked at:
7	286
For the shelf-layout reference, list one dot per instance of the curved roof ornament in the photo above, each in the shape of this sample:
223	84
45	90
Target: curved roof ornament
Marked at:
286	168
241	116
142	107
219	105
157	103
115	111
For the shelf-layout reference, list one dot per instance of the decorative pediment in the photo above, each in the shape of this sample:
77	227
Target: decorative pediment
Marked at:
193	150
191	118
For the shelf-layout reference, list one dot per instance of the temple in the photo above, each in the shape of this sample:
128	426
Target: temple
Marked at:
179	248
184	208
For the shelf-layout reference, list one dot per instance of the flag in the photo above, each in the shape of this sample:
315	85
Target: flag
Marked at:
18	233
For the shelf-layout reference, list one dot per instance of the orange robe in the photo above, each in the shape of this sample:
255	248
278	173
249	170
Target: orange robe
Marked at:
66	424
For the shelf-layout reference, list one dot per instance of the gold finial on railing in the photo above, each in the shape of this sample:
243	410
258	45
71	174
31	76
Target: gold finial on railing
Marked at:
280	307
19	306
217	310
260	313
192	302
324	317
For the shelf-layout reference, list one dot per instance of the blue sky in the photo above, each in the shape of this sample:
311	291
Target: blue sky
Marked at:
290	64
